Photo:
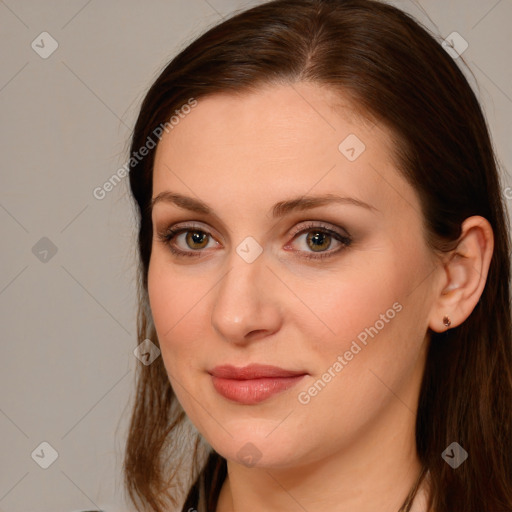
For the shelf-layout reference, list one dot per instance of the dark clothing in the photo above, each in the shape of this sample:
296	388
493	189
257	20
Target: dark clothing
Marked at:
204	493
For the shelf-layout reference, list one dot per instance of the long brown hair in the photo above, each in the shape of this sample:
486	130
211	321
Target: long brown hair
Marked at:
397	72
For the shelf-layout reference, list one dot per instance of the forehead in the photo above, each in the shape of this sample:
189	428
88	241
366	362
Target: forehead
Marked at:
273	118
286	139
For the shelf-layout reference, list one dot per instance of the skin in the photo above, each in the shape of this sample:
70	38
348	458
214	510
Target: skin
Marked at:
241	154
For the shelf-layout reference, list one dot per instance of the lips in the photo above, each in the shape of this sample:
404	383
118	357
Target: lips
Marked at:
253	384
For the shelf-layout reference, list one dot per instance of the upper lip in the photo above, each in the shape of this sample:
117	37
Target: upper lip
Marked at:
252	371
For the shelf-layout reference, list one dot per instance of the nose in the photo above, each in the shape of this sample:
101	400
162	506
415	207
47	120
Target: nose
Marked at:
247	306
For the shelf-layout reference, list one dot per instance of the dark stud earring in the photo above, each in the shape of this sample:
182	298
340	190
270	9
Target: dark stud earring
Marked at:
446	321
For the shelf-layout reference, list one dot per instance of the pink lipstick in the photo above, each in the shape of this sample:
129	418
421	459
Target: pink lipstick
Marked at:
253	384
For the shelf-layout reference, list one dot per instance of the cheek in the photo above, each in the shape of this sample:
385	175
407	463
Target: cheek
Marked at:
352	303
177	306
375	329
372	324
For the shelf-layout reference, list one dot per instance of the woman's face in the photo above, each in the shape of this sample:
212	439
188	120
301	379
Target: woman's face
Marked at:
339	293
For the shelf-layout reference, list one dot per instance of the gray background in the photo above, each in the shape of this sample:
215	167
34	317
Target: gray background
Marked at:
68	320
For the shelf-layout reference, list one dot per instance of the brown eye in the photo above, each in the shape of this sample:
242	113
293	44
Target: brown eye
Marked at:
196	237
190	244
318	240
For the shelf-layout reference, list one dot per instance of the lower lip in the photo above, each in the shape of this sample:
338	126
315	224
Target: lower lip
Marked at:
253	391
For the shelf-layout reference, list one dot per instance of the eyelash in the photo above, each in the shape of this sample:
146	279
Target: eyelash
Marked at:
168	235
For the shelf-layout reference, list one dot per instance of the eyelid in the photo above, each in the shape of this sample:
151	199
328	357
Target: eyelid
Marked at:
189	226
312	224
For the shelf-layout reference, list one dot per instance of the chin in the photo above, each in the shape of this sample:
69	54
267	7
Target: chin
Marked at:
254	447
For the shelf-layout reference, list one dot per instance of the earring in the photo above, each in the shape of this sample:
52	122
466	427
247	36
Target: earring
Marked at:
446	321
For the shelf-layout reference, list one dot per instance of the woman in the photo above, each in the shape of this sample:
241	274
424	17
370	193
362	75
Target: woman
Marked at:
324	266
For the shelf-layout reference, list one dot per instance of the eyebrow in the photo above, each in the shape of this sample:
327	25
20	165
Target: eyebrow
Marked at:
280	209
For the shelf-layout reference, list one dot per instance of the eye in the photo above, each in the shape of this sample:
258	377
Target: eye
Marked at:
194	239
320	238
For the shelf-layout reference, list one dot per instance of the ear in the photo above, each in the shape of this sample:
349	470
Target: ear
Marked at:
465	272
